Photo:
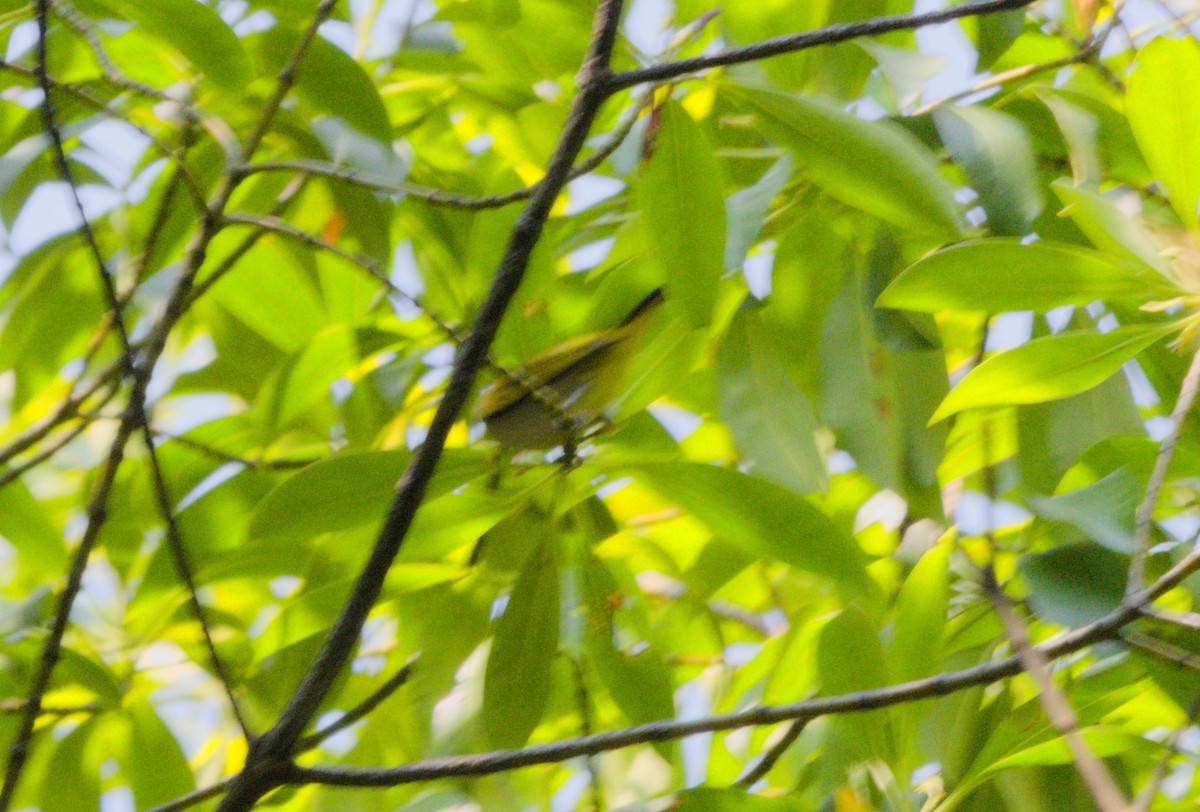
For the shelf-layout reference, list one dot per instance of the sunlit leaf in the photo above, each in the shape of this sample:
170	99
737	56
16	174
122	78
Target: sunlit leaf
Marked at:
1164	114
998	275
871	165
762	518
517	683
683	213
1048	368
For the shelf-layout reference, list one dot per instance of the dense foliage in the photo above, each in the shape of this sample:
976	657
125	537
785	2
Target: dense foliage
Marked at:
907	407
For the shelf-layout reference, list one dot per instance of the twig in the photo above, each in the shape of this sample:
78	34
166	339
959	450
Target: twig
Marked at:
791	43
1104	628
282	202
46	452
79	25
1096	777
167	151
11	707
308	742
224	456
361	709
443	198
1159	648
1153	646
772	756
1184	620
66	410
135	411
18	750
1143	520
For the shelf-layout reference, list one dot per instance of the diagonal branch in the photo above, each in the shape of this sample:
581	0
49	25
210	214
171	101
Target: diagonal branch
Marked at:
442	198
1158	477
269	756
1105	628
790	43
1096	777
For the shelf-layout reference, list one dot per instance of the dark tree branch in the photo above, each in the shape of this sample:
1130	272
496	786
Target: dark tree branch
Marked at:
268	761
790	43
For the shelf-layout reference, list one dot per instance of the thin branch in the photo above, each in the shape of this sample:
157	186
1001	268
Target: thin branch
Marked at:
790	43
166	150
1099	781
1105	628
196	796
46	452
112	74
1159	648
544	393
1086	54
1184	620
361	709
351	716
69	409
1143	521
268	760
183	565
136	410
443	198
772	756
11	707
18	750
1155	647
252	463
282	202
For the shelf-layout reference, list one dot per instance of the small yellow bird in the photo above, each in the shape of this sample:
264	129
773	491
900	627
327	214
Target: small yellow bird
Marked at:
559	392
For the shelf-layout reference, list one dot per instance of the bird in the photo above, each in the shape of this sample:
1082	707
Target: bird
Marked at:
551	398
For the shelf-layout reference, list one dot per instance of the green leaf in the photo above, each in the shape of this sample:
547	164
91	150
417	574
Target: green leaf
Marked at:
1164	112
39	545
1104	742
273	295
1049	368
770	418
683	213
640	683
762	518
1103	510
1109	229
197	32
999	275
850	658
996	152
916	649
746	209
516	685
1081	130
157	768
75	756
328	79
350	489
1074	584
997	32
872	165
